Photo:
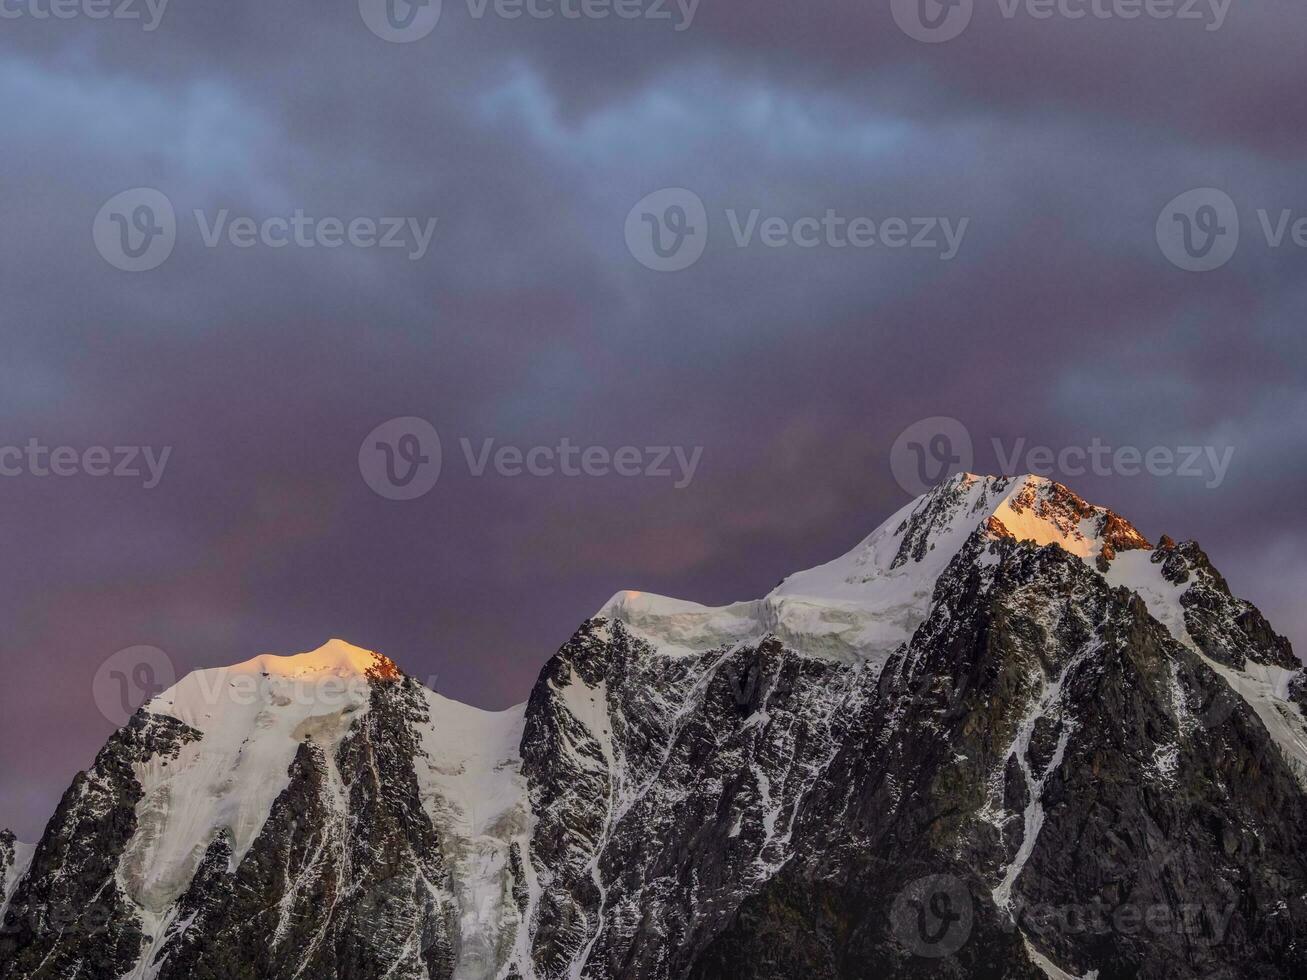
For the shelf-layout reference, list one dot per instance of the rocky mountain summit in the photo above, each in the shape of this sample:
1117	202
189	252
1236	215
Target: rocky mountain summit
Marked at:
1004	736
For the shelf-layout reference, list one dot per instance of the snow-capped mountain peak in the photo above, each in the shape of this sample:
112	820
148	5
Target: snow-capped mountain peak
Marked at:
862	605
243	726
932	529
336	656
1002	685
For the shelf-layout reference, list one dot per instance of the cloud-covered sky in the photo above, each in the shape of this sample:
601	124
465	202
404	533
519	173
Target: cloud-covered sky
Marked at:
528	319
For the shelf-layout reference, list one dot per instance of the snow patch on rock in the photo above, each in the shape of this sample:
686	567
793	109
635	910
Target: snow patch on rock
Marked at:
476	795
252	718
863	605
12	871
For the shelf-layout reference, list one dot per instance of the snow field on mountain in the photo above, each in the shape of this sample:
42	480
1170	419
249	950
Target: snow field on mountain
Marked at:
9	881
473	789
1263	686
863	605
856	610
253	717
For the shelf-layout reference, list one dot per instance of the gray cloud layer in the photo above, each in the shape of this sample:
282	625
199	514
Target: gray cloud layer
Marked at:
528	320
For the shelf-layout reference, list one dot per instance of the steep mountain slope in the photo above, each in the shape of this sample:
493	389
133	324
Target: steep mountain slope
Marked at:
15	856
1049	759
1004	736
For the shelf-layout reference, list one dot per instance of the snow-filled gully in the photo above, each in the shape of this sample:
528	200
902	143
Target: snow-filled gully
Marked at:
1034	814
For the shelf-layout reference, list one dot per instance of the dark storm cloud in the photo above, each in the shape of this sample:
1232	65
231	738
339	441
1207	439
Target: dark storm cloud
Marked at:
1059	320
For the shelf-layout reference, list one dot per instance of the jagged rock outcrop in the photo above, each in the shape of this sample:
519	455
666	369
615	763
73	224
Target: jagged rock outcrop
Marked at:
15	856
345	880
1038	750
69	916
1005	736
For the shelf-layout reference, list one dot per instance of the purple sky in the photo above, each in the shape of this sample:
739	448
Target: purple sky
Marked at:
1059	321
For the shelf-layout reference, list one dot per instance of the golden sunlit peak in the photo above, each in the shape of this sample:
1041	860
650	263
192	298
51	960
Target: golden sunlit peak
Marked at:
335	656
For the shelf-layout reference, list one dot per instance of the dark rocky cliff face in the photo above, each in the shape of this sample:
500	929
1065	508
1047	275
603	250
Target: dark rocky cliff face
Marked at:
345	880
13	863
8	852
1046	780
69	917
652	830
1159	846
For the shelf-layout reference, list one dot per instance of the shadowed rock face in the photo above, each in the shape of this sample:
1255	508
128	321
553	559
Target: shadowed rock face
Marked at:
1052	774
346	879
1187	868
69	916
690	806
14	859
8	852
1226	629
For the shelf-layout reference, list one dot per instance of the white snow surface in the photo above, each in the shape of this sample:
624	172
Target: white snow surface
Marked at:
473	788
860	607
1048	704
253	717
856	609
1263	686
23	854
1051	969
